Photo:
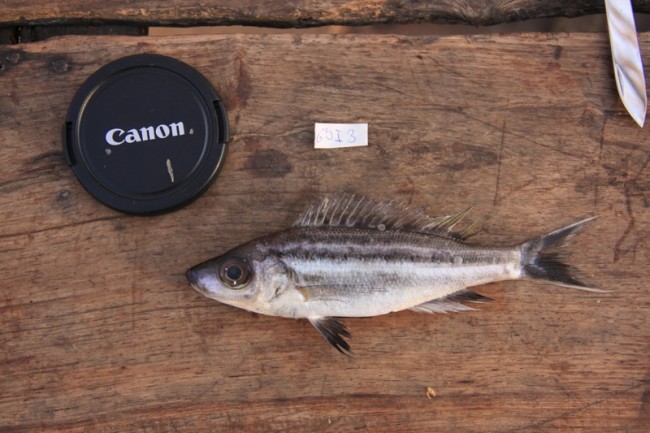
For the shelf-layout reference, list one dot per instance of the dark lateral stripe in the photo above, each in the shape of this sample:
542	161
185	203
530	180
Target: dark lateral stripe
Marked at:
390	253
334	243
370	256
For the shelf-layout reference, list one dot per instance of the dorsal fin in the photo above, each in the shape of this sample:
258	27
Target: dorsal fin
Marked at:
350	210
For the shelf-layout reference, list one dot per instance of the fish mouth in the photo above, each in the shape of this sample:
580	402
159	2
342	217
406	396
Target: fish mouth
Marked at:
193	276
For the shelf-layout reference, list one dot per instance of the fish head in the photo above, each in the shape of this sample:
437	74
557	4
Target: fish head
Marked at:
244	277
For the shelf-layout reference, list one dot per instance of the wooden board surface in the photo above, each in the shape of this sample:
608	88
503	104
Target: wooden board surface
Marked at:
100	331
294	13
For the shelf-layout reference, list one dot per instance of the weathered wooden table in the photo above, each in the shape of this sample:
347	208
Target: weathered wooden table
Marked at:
100	331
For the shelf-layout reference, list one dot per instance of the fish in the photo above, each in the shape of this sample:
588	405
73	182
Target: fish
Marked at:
351	256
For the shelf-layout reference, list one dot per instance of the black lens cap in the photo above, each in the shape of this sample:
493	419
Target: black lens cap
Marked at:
146	134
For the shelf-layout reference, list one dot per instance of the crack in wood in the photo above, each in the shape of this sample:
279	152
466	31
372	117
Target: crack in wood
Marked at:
536	425
629	191
497	186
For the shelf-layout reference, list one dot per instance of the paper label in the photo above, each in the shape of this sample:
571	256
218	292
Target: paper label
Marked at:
335	135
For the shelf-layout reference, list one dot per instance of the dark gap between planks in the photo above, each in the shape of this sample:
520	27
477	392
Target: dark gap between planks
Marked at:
590	23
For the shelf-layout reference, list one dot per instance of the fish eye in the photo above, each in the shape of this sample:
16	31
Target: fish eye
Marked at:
235	273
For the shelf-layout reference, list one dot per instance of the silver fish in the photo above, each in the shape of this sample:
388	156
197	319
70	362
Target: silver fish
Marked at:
355	257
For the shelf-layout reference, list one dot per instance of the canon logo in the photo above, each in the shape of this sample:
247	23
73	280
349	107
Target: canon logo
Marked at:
117	136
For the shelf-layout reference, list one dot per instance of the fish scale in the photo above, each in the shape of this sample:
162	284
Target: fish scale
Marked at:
350	256
339	262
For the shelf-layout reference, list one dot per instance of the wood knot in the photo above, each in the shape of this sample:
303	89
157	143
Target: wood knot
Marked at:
14	57
60	65
9	59
63	196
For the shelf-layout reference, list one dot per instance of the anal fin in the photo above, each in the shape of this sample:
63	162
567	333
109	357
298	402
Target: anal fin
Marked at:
452	303
469	296
334	331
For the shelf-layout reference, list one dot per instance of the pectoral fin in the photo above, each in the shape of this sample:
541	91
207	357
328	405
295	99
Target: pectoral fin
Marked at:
451	303
334	331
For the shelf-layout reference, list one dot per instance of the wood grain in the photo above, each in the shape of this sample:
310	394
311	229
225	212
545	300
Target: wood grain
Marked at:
100	331
294	13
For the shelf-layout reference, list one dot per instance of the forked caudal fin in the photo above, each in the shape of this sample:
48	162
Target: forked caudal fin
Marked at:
543	258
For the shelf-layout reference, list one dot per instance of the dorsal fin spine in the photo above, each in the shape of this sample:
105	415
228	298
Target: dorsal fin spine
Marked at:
350	210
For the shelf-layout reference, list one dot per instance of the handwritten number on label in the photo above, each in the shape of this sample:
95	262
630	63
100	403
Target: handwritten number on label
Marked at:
351	138
334	135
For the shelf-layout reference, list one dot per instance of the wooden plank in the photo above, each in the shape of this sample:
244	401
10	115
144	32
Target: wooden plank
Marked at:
294	13
100	331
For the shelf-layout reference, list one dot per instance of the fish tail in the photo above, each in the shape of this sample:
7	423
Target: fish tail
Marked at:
543	258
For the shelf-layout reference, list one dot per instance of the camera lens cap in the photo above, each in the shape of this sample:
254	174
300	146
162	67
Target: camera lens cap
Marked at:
145	134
